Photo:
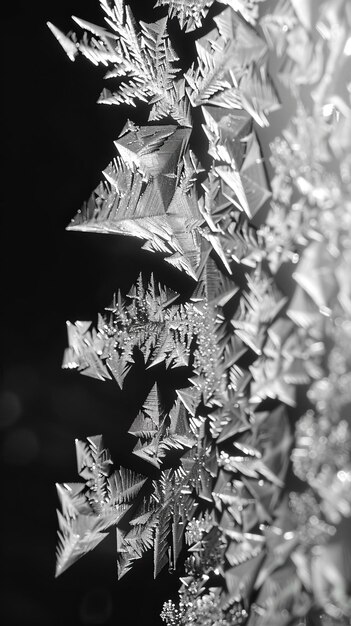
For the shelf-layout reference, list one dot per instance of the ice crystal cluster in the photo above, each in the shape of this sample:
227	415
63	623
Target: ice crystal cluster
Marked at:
222	452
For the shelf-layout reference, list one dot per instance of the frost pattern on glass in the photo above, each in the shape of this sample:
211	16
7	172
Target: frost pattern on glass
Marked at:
222	448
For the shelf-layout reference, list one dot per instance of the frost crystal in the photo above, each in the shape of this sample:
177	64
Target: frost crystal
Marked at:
217	451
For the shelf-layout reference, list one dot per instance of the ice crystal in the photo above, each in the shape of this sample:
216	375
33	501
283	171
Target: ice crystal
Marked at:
190	13
220	449
140	52
89	508
142	195
231	71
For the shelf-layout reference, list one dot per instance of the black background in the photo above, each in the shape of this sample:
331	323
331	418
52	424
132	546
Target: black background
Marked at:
56	141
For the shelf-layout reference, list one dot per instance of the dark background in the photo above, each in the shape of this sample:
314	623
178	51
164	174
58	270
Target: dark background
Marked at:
56	141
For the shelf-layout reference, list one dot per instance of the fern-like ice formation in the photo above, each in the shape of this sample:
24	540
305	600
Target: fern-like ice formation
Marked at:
190	13
221	451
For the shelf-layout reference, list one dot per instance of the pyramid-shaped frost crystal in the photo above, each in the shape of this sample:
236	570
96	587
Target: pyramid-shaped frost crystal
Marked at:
141	195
